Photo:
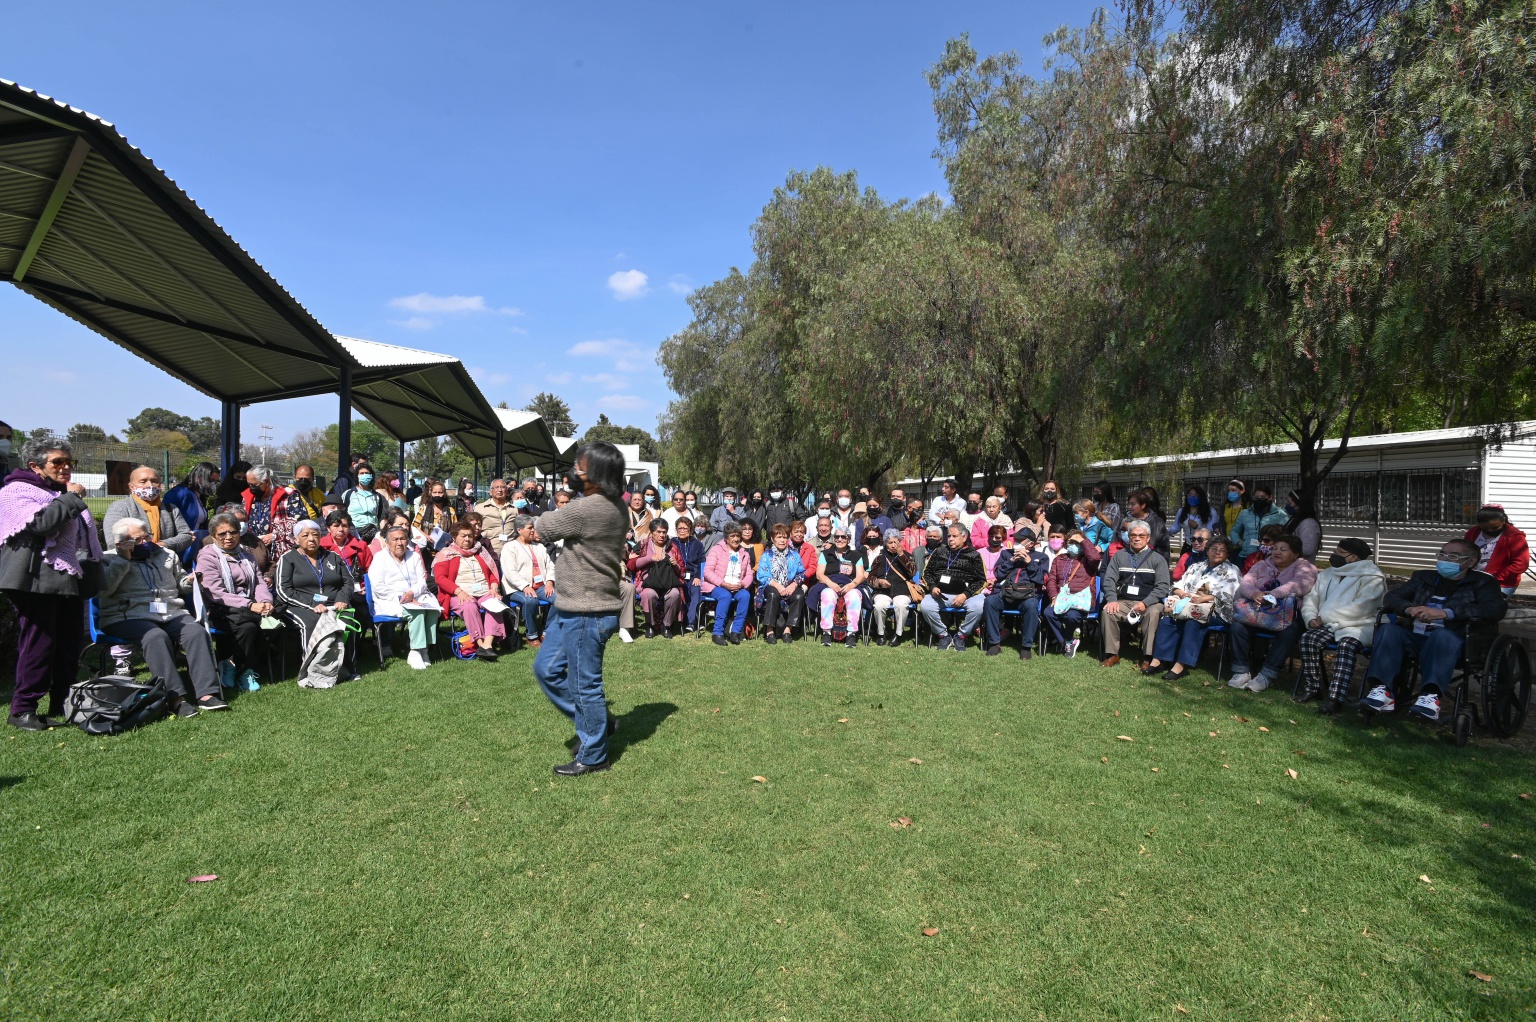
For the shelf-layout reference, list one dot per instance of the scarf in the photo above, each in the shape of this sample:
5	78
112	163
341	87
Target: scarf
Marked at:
24	495
778	566
151	517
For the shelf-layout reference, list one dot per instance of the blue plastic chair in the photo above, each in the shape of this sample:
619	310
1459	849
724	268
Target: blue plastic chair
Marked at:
379	620
100	638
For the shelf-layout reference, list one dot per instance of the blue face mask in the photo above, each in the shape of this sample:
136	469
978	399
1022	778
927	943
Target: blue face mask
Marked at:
1080	520
519	503
1448	569
1074	549
1233	496
365	479
1192	501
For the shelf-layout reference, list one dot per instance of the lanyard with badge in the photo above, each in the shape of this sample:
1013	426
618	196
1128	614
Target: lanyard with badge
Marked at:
152	583
944	578
1134	588
319	570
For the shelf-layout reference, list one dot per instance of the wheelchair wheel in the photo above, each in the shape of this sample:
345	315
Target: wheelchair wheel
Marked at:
1463	728
1506	686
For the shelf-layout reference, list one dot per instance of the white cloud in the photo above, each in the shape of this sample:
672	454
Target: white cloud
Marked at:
679	284
611	348
516	330
624	402
415	323
559	378
440	304
608	381
486	376
629	365
628	284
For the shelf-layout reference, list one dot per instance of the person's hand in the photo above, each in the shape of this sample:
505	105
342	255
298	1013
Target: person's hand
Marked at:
339	605
1269	598
1139	607
319	609
1316	622
124	546
268	538
549	590
77	489
530	591
261	609
1112	607
937	594
407	596
1431	614
958	600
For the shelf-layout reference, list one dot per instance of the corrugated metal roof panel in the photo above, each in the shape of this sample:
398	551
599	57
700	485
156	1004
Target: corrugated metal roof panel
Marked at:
376	355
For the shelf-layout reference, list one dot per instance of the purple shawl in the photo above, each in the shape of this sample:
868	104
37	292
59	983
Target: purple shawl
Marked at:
24	494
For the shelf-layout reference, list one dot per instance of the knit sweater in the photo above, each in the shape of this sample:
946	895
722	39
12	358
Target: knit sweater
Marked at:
593	528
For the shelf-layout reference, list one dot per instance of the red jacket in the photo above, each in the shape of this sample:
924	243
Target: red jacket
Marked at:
355	553
1510	558
445	570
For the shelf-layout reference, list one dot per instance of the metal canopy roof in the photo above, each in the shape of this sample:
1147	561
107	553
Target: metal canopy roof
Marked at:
529	443
93	228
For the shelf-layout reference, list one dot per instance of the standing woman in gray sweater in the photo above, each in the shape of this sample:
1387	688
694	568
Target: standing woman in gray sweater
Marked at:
569	665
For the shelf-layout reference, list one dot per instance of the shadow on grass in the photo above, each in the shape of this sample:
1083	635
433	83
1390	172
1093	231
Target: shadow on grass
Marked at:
635	727
10	782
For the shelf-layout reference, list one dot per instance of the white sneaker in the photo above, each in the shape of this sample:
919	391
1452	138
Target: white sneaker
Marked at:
1072	645
416	660
123	666
624	635
1239	680
1426	707
1380	700
1259	682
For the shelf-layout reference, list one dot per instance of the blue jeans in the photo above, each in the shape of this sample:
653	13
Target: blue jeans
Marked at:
1179	641
1279	647
530	605
692	597
1439	655
569	668
930	610
1059	624
1029	619
724	598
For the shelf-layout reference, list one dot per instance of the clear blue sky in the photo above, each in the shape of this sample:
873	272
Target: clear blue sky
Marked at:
530	160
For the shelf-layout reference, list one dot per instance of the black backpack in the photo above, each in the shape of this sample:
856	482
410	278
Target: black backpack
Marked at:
114	703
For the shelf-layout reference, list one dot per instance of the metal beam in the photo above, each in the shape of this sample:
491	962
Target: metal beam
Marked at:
344	426
501	452
229	434
25	132
66	180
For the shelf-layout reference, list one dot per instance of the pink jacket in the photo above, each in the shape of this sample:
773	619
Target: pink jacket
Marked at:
719	557
1264	580
983	525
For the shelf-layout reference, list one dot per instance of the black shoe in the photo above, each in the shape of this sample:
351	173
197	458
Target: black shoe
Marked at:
788	639
185	709
1173	675
1151	669
1330	706
771	639
853	642
650	633
735	638
212	703
1025	653
959	646
1307	695
945	641
31	721
895	641
826	639
994	650
719	640
666	633
575	768
487	654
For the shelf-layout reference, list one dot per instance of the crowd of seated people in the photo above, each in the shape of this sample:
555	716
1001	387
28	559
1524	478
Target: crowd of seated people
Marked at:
268	561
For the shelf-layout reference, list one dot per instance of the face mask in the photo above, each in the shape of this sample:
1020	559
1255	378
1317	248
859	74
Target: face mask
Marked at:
1049	494
651	500
757	501
365	479
823	512
1055	544
441	498
933	541
1290	508
777	494
844	502
1125	537
1098	496
1233	496
519	503
5	447
1074	549
895	507
303	485
730	501
574	481
971	507
692	503
144	549
871	541
1261	506
1266	548
1448	569
149	494
1192	501
1337	560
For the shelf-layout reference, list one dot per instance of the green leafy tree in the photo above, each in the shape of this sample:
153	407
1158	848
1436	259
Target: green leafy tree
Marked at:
86	433
605	430
381	449
555	412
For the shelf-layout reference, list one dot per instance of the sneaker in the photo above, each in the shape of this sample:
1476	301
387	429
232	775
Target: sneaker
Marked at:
1328	707
853	641
249	681
959	646
945	641
122	665
719	640
185	709
416	660
1239	680
624	635
994	650
30	720
487	654
1380	700
1426	707
1025	654
227	674
826	639
1072	644
735	638
212	703
1259	682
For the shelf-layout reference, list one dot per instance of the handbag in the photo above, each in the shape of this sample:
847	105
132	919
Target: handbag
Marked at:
1067	600
1260	615
1182	608
913	591
661	575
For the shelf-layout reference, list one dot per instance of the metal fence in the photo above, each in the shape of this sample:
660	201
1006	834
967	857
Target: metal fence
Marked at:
1425	497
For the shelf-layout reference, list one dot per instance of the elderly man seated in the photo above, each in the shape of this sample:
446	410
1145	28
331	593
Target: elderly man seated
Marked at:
164	522
142	601
953	579
1435	609
398	578
1017	583
1134	585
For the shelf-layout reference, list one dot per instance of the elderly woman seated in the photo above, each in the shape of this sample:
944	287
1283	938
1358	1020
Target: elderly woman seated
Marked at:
310	581
892	578
692	553
841	572
398	578
658	570
780	586
991	516
142	601
1194	552
528	574
1203	594
1283	575
242	605
470	586
1340	609
728	581
273	509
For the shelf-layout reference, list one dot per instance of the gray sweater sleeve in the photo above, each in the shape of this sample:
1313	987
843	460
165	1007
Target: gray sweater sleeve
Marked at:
180	537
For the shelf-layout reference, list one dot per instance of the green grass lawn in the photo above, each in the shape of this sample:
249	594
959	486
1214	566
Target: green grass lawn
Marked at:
398	849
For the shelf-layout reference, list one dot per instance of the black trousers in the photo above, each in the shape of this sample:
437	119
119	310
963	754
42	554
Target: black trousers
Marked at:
240	637
779	612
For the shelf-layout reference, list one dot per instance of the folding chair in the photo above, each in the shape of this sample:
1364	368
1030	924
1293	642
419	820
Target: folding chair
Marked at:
102	640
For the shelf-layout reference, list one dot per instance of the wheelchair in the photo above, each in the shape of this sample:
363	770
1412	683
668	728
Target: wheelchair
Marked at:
1490	688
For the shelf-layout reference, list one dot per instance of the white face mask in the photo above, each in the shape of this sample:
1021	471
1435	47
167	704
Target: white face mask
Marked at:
5	446
777	494
692	503
844	502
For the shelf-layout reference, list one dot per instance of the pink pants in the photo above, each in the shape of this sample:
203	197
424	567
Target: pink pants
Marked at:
829	605
481	623
671	606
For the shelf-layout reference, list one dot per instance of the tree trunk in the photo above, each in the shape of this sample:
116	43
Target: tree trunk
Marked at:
874	477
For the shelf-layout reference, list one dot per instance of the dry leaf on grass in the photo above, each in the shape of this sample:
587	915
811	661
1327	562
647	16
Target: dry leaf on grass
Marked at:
900	822
1213	734
1117	713
1103	759
1125	738
1425	877
715	710
930	931
1291	773
1261	728
1154	770
1240	720
842	720
915	761
1181	1009
1480	975
760	779
687	897
1525	795
203	879
1189	714
1225	767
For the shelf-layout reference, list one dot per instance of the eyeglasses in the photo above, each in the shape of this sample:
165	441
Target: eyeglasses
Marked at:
62	462
1199	539
225	534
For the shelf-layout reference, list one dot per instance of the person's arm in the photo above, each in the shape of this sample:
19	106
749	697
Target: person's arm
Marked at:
1487	605
821	571
1251	587
714	567
1239	533
286	592
1110	587
976	569
1403	597
114	568
764	574
565	522
1311	605
59	512
445	577
1303	578
180	537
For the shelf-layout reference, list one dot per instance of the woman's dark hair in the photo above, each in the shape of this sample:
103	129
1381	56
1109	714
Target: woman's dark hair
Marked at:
1271	532
1291	541
1030	509
605	468
338	518
200	479
232	485
1202	509
998	533
1224	543
1304	509
1106	490
1153	500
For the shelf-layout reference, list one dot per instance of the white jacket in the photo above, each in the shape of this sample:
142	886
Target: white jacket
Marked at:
1347	598
392	579
517	565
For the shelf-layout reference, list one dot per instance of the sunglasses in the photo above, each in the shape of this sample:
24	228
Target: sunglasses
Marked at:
225	534
62	462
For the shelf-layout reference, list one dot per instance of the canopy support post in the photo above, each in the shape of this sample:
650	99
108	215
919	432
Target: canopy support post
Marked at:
501	452
344	427
405	483
229	435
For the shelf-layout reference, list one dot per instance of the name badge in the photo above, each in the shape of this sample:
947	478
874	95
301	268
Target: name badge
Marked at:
687	576
943	580
538	579
319	597
159	607
1133	590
